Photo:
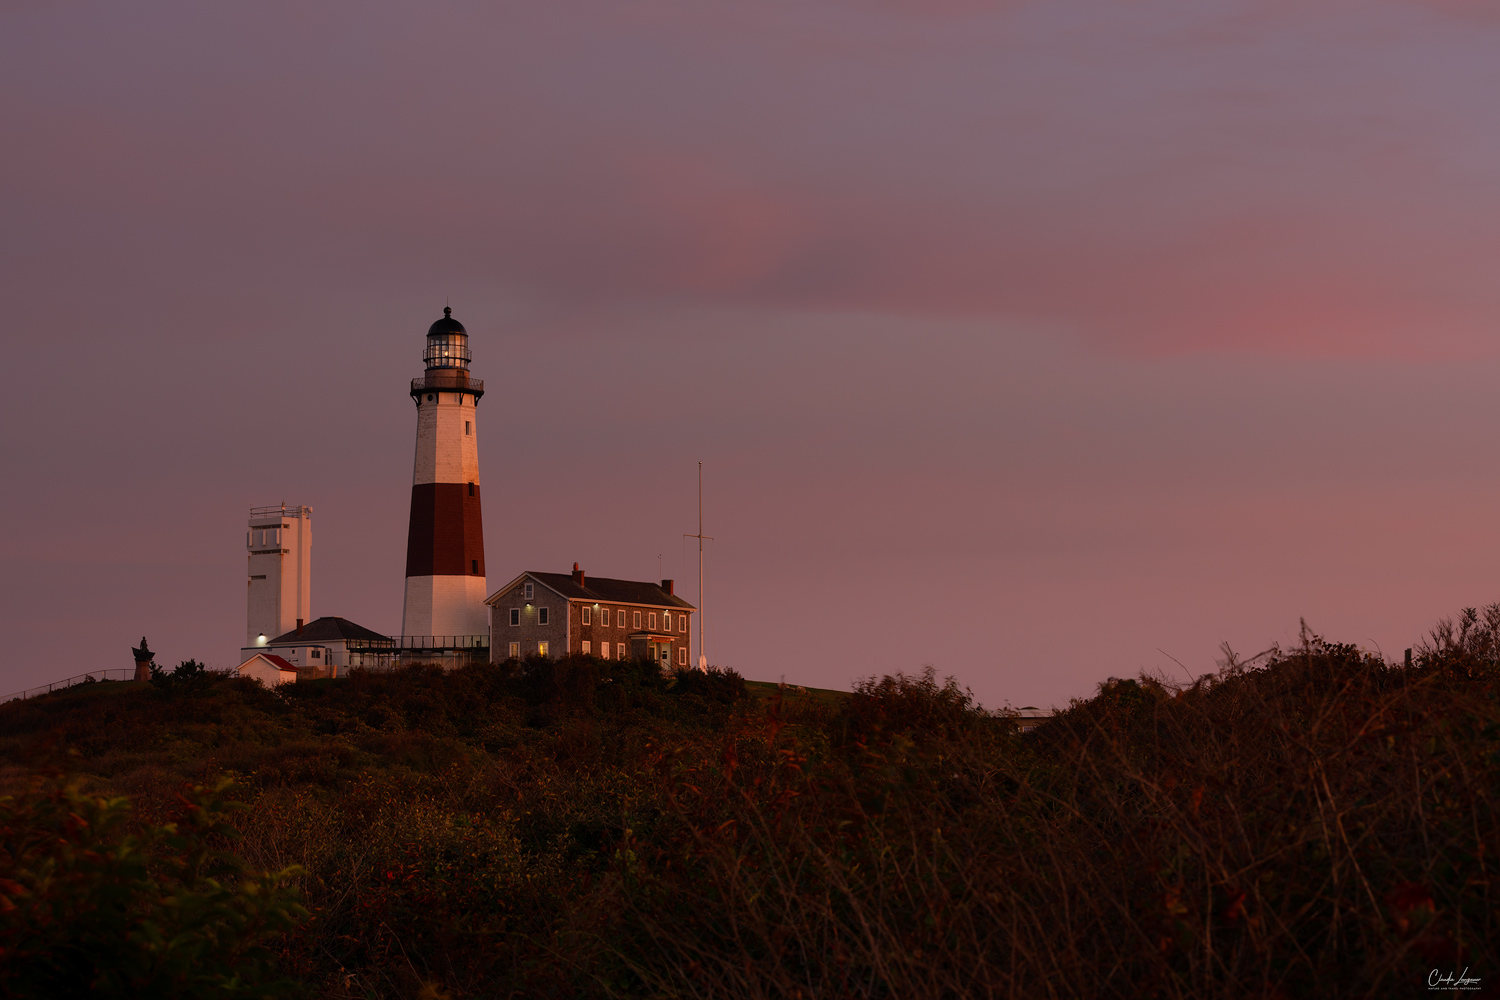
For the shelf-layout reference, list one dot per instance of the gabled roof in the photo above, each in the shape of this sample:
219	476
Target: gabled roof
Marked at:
601	590
326	630
271	658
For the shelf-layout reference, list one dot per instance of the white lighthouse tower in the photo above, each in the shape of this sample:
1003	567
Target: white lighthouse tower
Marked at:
445	541
280	574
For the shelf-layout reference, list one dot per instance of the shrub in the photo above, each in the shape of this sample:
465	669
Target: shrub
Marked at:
87	908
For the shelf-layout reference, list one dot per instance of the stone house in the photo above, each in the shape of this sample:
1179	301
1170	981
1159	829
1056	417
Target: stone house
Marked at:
559	614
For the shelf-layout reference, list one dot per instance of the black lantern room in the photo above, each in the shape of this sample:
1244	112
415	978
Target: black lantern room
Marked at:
447	343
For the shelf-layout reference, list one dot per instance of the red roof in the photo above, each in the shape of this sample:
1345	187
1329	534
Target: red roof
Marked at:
274	660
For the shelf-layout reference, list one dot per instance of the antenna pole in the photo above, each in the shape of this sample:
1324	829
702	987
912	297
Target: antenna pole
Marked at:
702	651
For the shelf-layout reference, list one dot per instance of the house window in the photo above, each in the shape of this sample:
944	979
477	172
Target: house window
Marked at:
585	647
474	566
682	623
604	617
466	434
585	619
604	650
682	656
541	616
620	619
515	616
528	591
637	619
541	648
652	626
619	651
515	651
315	654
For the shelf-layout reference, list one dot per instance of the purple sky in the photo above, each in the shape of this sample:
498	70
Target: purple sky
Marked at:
1036	342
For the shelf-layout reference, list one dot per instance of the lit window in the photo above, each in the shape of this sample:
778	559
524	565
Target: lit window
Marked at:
528	591
586	610
541	616
652	626
637	620
619	651
620	618
604	650
682	656
585	647
515	616
515	651
541	648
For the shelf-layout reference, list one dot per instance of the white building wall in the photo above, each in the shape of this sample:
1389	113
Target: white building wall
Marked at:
279	574
445	453
445	605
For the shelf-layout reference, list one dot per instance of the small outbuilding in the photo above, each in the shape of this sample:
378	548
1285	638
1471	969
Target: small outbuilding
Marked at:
327	647
269	669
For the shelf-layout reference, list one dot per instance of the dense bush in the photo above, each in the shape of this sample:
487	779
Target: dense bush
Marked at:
89	909
1318	823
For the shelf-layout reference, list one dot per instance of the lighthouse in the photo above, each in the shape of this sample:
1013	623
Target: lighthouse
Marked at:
445	540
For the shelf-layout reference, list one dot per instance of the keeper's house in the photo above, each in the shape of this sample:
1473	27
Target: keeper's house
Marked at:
558	614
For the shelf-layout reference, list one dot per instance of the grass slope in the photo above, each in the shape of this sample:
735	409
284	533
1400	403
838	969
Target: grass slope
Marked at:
1320	825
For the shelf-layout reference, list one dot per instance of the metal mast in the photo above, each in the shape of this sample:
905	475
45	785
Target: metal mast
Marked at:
702	650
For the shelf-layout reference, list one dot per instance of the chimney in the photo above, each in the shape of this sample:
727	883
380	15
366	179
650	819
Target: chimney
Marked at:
299	625
578	575
666	585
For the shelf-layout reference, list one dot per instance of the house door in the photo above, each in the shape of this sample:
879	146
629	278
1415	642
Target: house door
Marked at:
664	654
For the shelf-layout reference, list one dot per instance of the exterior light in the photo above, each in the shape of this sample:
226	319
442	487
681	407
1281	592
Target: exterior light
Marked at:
261	640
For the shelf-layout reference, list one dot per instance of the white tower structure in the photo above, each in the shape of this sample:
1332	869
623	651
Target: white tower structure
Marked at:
445	541
280	591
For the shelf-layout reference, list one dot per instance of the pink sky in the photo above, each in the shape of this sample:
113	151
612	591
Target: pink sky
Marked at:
1036	342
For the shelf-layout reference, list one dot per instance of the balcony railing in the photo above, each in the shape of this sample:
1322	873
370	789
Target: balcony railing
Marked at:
400	642
261	513
448	382
442	641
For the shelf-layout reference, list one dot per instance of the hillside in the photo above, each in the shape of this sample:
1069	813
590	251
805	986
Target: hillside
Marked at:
1320	824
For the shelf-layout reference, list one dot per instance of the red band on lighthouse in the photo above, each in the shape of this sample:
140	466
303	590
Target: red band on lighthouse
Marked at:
446	537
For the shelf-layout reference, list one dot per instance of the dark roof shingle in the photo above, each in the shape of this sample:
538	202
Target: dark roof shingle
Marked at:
327	630
606	591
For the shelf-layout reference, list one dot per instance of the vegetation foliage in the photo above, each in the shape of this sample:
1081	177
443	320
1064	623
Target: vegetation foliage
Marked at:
1314	822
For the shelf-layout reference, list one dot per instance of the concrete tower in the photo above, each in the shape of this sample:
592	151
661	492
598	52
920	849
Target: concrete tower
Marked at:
445	542
280	545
